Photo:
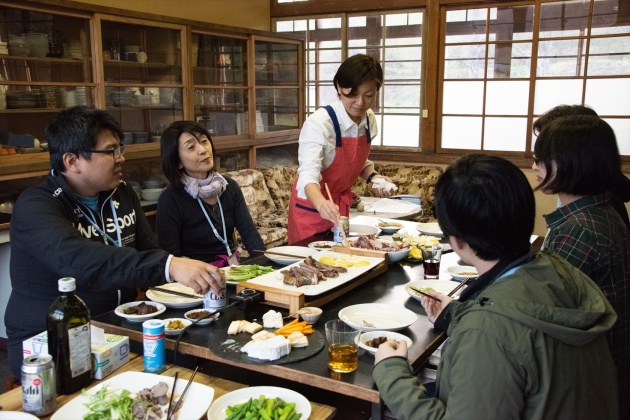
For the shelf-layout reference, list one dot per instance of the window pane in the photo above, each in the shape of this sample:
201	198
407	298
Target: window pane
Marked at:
401	130
622	132
401	98
505	134
466	25
509	60
567	18
512	23
464	61
598	96
609	56
550	93
461	133
561	58
610	18
401	70
463	98
507	97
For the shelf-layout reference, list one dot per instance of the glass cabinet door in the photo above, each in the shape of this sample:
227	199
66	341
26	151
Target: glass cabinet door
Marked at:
220	84
45	66
142	71
277	78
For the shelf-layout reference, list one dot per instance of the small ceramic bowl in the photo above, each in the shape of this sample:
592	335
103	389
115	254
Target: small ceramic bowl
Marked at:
462	272
310	314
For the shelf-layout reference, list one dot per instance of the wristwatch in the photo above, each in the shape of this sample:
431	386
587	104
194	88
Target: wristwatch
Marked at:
369	178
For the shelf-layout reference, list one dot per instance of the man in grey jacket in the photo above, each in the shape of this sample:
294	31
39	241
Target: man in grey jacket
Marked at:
82	221
526	339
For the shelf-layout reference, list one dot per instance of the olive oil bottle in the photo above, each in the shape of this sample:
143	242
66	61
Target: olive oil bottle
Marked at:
68	324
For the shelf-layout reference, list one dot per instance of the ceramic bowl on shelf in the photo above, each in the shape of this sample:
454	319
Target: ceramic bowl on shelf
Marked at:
132	48
151	194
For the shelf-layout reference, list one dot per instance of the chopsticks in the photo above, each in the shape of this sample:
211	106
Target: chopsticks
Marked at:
180	401
424	294
174	292
343	231
170	401
280	253
460	285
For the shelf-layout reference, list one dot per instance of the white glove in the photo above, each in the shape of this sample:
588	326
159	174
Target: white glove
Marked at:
382	184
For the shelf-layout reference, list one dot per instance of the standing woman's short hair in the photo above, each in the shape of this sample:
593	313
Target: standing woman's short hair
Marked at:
584	150
487	202
357	70
169	145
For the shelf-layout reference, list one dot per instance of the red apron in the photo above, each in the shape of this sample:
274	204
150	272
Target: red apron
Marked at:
350	156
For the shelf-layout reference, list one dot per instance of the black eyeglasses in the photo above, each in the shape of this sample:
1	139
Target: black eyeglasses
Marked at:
116	153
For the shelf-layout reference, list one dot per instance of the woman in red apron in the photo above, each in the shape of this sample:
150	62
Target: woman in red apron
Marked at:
334	146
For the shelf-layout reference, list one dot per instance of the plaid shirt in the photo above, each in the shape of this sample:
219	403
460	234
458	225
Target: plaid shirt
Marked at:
590	235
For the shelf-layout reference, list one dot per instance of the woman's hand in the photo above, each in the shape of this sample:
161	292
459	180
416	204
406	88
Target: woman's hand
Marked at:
382	192
329	211
433	307
391	349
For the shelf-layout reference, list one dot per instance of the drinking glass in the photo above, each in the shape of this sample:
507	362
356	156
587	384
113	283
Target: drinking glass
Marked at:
342	347
431	256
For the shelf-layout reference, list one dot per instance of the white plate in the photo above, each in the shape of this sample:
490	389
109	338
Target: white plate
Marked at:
174	301
365	337
16	415
186	323
389	229
431	229
203	321
300	253
322	245
457	272
274	279
139	318
196	402
382	316
217	409
441	286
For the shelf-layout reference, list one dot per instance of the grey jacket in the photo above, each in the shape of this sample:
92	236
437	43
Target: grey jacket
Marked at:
530	346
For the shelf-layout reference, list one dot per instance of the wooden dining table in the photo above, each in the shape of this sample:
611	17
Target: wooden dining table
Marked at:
311	373
12	400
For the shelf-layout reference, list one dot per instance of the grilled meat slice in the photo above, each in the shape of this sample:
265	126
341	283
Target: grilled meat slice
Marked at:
298	277
314	271
325	269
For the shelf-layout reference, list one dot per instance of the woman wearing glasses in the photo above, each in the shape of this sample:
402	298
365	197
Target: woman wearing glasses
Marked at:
198	212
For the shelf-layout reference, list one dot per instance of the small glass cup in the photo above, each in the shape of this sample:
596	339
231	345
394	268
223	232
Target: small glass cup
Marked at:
431	256
342	347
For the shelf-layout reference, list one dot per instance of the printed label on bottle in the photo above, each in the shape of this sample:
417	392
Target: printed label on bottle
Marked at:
80	349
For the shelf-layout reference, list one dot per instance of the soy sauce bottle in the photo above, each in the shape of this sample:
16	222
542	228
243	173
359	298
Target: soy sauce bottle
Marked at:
68	325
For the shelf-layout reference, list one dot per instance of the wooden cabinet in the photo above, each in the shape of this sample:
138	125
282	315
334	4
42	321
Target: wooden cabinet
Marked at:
245	87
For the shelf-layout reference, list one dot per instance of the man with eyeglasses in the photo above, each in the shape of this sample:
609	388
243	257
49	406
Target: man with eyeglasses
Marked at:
84	222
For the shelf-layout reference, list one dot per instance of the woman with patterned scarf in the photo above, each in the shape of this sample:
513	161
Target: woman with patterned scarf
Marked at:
198	212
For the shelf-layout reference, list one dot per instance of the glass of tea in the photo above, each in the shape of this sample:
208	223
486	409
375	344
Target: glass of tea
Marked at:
431	256
342	347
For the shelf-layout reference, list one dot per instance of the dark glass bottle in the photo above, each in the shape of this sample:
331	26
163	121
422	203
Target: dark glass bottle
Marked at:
68	324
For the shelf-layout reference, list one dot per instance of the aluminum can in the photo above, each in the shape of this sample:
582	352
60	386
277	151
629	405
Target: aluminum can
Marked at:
214	301
39	390
154	346
337	236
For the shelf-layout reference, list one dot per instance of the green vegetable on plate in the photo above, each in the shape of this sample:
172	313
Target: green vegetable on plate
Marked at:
263	408
245	272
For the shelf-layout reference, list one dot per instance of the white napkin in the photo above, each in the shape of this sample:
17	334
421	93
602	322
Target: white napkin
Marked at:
382	184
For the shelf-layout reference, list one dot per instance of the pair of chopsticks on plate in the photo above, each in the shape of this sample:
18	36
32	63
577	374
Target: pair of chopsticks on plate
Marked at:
172	409
175	292
452	292
343	231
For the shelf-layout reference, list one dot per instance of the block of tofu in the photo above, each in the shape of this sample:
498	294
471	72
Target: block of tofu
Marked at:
272	319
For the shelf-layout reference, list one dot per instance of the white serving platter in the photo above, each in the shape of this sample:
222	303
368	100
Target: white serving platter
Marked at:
196	402
274	279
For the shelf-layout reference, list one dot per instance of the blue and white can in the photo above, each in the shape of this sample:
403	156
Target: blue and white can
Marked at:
213	301
154	345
